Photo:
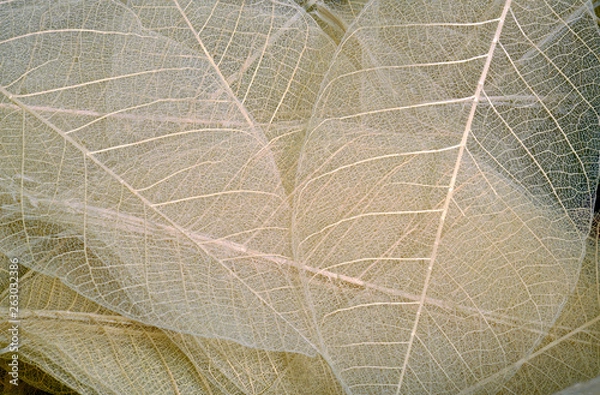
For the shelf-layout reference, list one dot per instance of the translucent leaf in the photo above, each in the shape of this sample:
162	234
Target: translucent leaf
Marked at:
278	196
571	351
215	243
441	189
92	350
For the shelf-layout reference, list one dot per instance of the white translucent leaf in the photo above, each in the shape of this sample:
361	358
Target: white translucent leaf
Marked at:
571	351
139	146
366	197
93	350
441	189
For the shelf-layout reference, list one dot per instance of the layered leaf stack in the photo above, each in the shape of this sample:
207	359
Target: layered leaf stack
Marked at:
382	197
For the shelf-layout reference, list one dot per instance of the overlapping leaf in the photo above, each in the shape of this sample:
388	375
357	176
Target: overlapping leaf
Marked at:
292	197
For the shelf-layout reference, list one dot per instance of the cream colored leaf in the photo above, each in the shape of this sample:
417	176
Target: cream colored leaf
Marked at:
278	196
443	190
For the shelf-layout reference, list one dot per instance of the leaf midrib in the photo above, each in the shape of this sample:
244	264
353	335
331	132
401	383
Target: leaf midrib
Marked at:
452	184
